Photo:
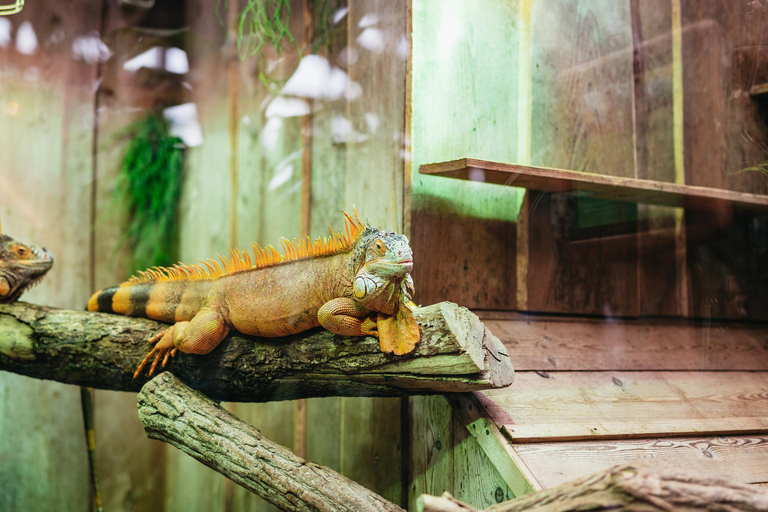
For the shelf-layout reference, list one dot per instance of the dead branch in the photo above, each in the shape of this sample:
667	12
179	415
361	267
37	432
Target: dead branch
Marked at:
456	353
172	412
626	488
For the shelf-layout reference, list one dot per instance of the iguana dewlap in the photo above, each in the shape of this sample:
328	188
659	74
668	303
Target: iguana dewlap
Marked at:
21	267
355	285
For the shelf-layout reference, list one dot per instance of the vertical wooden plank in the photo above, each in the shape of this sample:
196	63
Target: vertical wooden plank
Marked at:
328	191
371	428
465	103
375	160
581	120
204	217
524	102
269	190
655	159
46	128
371	444
432	453
725	131
131	476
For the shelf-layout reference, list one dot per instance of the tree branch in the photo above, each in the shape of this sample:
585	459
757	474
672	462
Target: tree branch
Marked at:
172	412
456	353
626	488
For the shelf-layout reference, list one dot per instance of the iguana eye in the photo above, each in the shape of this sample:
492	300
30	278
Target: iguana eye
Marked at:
22	252
379	247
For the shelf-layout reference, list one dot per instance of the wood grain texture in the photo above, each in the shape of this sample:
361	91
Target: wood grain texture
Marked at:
172	412
471	410
569	343
626	405
658	285
432	440
725	132
475	479
581	119
739	458
599	186
375	109
465	102
619	404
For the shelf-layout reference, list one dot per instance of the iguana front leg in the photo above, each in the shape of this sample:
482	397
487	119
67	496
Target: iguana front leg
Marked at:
347	317
198	336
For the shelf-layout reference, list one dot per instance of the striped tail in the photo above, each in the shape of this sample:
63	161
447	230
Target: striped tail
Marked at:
165	301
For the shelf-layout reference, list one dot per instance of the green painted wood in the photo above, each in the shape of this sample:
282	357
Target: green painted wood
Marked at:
465	103
431	459
475	480
464	100
323	434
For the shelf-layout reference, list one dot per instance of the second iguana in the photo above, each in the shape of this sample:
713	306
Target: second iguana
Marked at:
354	284
21	267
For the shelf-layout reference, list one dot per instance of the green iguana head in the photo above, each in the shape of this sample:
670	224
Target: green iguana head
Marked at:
21	267
384	261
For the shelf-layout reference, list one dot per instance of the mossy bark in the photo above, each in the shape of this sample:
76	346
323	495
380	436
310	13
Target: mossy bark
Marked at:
172	412
456	353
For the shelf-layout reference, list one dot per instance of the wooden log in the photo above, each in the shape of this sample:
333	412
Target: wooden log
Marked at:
172	412
626	488
456	353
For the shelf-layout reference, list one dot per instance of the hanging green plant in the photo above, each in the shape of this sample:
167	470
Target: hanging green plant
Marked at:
263	24
149	184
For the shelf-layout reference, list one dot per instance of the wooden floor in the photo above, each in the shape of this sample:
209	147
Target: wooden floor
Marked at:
589	394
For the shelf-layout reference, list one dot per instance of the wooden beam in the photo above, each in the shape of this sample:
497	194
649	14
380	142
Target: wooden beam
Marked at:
626	488
456	353
172	412
600	186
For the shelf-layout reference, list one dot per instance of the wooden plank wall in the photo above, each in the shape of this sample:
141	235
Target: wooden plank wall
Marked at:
46	129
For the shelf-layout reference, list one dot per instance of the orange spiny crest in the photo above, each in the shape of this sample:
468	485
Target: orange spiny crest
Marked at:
262	257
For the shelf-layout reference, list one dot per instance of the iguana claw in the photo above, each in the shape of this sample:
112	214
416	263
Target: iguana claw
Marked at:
164	349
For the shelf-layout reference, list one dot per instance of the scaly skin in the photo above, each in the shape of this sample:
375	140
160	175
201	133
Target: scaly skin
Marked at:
21	267
345	292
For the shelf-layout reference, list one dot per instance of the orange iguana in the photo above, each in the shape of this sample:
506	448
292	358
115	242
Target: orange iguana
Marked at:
353	284
21	267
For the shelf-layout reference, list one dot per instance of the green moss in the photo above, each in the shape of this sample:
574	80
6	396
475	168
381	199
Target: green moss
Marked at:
149	183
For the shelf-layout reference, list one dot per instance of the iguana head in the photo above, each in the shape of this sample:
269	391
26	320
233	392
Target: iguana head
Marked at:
383	261
21	267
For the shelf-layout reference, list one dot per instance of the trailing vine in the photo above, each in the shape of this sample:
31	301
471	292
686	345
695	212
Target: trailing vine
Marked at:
263	24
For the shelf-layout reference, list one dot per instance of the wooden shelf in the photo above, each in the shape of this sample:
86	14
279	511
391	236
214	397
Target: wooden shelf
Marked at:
600	186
